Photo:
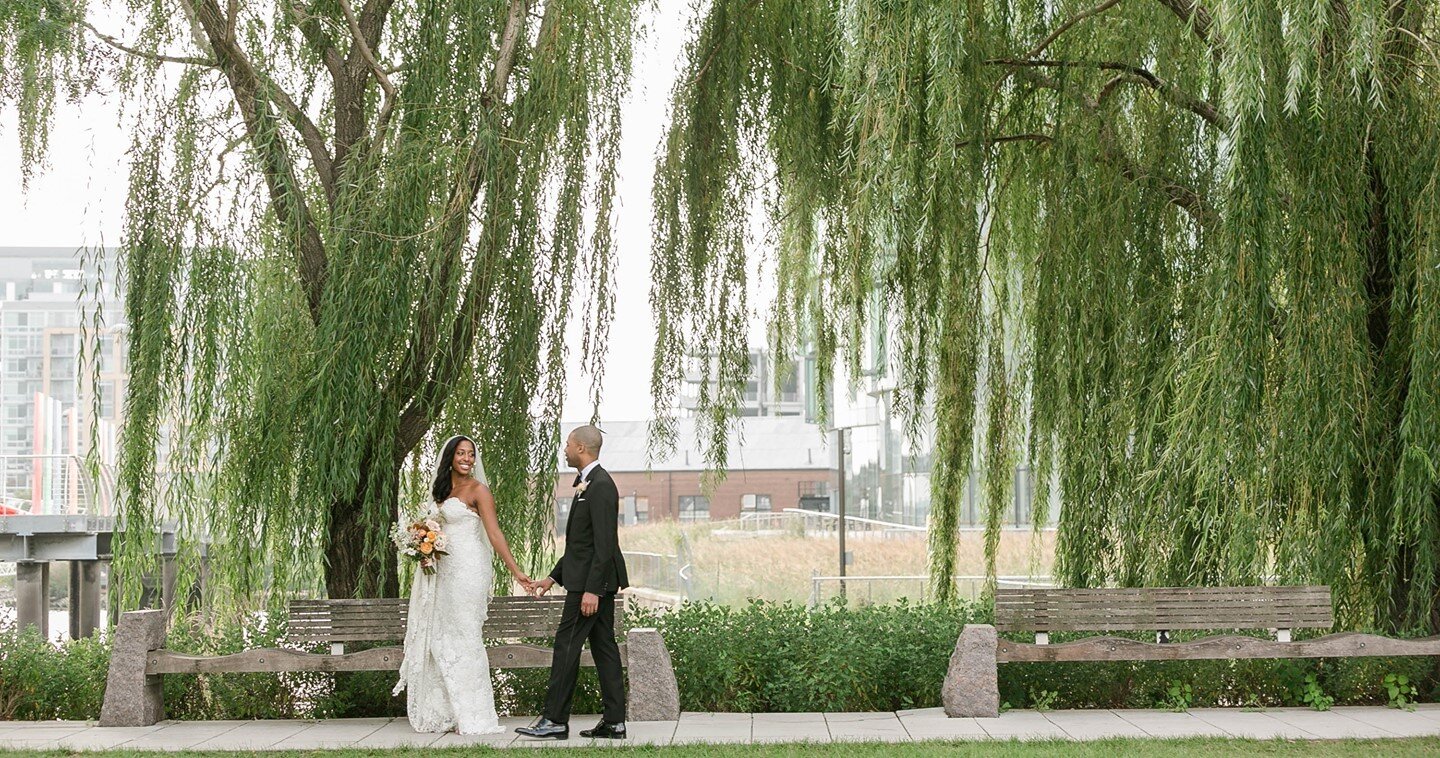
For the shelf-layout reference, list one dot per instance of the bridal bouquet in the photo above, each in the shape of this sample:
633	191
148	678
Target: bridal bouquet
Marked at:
421	541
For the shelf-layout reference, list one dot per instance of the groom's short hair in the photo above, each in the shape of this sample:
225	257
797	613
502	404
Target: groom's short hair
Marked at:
590	437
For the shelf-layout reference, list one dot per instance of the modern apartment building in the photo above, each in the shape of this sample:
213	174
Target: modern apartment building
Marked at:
48	300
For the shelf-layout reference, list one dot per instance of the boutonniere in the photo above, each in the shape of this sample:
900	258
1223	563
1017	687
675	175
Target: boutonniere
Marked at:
581	487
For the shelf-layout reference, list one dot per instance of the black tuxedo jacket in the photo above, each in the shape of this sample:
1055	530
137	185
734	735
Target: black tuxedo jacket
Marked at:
592	561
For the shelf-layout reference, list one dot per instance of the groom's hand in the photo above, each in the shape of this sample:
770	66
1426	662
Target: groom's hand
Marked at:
543	586
589	604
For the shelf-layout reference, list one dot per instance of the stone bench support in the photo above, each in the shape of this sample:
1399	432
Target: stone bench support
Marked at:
654	693
972	688
132	697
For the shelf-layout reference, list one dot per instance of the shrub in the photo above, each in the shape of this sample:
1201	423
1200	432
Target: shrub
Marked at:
41	681
769	656
763	656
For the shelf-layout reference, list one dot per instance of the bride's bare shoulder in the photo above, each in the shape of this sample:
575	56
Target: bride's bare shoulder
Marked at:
472	493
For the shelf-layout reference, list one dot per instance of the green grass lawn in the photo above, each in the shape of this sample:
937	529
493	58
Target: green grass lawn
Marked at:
1427	746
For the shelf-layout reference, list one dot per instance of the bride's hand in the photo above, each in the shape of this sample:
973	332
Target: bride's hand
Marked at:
526	582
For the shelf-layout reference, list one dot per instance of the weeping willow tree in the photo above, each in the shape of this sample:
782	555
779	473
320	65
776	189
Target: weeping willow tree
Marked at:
1181	255
352	229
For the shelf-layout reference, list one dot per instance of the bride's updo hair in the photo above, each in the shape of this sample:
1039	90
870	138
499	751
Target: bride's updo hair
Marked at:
440	490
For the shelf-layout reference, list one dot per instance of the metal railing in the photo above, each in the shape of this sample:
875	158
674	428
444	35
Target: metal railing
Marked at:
658	571
55	484
807	523
863	588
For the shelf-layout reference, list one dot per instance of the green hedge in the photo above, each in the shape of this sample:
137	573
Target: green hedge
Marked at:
777	657
40	681
781	657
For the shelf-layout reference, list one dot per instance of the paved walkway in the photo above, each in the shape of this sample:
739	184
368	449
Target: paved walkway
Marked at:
905	726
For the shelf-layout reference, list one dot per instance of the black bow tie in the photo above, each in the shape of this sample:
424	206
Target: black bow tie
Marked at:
577	481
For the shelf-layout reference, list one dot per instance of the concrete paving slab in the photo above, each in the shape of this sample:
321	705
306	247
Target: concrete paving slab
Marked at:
95	739
725	727
1094	725
1326	724
933	724
1251	724
397	734
714	717
738	728
335	733
797	731
49	732
718	731
1170	725
788	718
256	735
180	735
1022	725
846	727
1393	721
649	732
21	743
498	739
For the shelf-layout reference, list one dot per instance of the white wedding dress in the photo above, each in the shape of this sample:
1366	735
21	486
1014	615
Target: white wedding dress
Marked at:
446	671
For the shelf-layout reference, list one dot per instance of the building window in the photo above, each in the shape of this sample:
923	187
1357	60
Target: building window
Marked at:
755	504
694	508
634	509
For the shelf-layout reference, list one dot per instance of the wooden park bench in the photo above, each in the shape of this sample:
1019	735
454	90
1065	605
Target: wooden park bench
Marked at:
139	660
971	687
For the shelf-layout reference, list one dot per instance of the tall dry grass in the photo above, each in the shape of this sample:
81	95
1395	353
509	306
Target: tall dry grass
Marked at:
732	567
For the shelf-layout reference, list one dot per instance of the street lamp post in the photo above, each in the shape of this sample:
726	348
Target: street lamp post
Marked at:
840	500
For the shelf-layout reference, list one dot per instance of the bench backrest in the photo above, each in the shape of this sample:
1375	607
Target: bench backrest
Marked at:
383	619
1162	608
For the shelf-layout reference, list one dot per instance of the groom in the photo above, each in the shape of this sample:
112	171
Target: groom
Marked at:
591	571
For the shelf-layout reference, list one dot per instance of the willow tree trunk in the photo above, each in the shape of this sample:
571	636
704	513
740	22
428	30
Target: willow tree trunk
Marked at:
349	570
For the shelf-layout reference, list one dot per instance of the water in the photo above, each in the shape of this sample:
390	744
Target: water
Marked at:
59	622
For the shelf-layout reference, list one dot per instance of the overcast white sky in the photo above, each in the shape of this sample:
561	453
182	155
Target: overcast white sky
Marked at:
79	200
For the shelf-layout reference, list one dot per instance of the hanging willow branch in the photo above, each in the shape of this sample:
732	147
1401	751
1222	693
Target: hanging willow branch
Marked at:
377	275
1179	255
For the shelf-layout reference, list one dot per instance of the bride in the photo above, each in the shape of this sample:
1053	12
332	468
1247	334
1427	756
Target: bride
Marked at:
446	670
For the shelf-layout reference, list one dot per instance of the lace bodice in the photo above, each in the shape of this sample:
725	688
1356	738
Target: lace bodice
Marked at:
446	670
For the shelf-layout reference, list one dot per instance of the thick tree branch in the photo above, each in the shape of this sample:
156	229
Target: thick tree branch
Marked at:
122	47
364	47
1073	20
1187	199
1175	191
1194	14
309	134
1135	74
287	197
314	35
424	401
372	21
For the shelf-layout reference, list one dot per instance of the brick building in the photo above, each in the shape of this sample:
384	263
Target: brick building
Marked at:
780	460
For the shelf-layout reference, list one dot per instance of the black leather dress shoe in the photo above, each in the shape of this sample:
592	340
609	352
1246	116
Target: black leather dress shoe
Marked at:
546	729
606	731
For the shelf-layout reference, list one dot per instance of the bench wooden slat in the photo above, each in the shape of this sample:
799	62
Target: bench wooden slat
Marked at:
1344	644
375	659
384	620
1157	608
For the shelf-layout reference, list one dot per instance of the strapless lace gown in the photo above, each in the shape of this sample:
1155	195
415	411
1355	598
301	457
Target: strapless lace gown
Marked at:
446	671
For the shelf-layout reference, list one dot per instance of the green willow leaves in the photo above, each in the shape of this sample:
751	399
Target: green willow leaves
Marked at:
1182	255
353	228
